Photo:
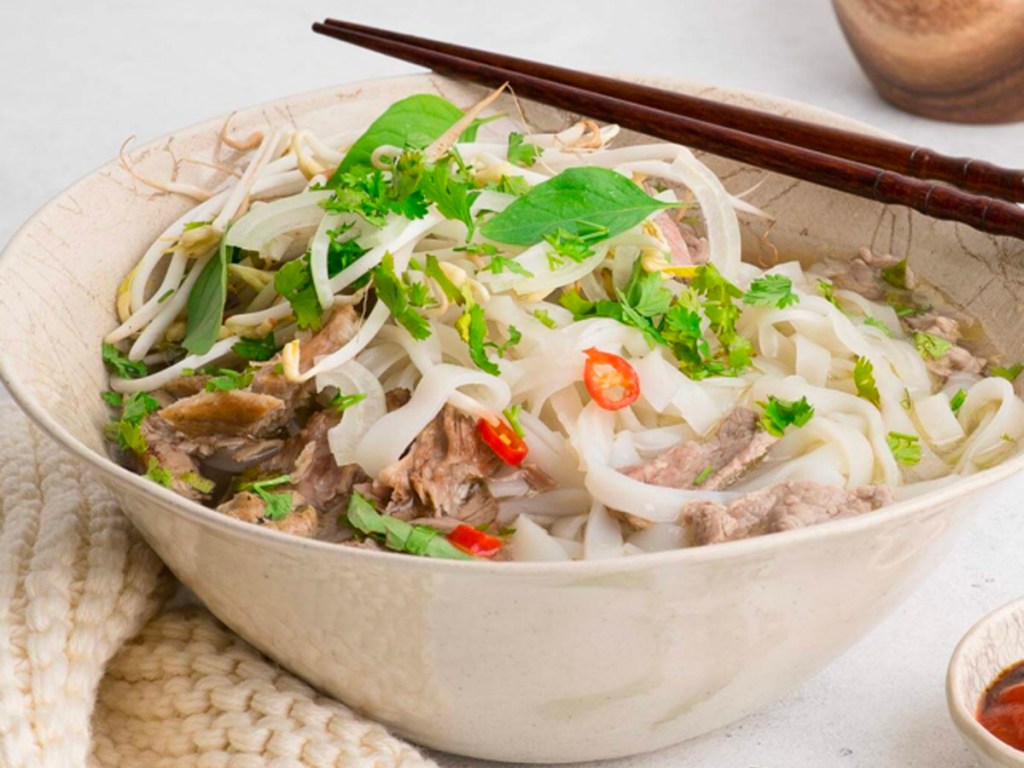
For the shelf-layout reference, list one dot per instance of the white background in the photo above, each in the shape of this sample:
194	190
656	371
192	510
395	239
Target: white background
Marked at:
76	78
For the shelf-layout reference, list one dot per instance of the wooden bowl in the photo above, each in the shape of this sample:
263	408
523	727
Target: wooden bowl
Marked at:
958	60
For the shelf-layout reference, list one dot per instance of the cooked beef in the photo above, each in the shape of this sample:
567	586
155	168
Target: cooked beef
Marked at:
175	453
442	471
956	359
315	474
396	398
738	444
250	508
686	247
235	413
184	386
780	507
863	274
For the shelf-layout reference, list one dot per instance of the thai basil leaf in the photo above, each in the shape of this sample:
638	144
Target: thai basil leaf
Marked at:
206	302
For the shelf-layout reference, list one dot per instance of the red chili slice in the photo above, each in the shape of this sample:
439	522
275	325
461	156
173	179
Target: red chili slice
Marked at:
610	380
474	542
503	441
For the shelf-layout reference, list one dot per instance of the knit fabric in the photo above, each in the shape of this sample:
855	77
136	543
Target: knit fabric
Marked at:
76	582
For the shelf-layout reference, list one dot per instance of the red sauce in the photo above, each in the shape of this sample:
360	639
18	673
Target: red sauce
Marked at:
1001	709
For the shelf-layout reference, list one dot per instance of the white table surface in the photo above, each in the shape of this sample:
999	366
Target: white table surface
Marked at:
76	78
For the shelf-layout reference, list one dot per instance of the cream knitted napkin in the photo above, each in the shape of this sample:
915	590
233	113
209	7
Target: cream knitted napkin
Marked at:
76	582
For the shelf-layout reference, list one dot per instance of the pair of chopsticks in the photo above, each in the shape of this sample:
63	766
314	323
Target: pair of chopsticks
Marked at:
974	192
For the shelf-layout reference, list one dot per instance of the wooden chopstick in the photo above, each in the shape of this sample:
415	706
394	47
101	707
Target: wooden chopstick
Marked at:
968	174
857	178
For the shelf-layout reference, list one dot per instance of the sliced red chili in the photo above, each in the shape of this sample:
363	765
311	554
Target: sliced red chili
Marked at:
503	441
610	380
474	542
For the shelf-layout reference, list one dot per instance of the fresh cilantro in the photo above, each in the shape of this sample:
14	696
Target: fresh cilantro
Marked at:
276	506
434	272
904	310
906	449
121	365
206	302
705	473
896	275
472	327
478	249
372	197
453	192
340	402
342	253
874	322
158	474
930	346
499	264
259	348
406	175
137	406
779	414
469	135
957	400
294	281
573	246
392	292
514	337
646	292
397	534
510	185
771	291
1010	373
544	318
521	153
113	399
576	200
127	431
722	314
864	380
197	481
827	290
418	294
225	380
511	415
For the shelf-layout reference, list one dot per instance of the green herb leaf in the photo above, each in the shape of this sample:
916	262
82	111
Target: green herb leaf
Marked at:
127	431
896	275
340	401
510	185
779	414
1010	373
545	318
511	415
474	327
276	506
400	535
259	348
392	292
113	399
137	406
874	322
565	243
646	292
158	474
957	400
453	196
413	122
930	346
771	291
576	200
499	264
206	302
520	153
469	135
294	281
225	380
827	290
906	449
118	362
197	481
864	380
434	272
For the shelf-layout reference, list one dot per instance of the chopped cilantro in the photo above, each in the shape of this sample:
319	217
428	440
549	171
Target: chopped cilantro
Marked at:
510	185
472	327
779	414
340	401
521	153
419	295
137	406
957	400
197	481
259	348
573	246
277	506
127	431
113	399
771	291
121	365
225	380
896	275
514	337
1010	373
705	473
294	281
864	380
453	192
499	264
478	249
158	474
930	346
434	272
874	322
511	415
906	449
827	290
544	318
392	292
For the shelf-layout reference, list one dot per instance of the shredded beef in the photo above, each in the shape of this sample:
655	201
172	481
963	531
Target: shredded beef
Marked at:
234	413
249	507
780	507
175	453
863	274
719	460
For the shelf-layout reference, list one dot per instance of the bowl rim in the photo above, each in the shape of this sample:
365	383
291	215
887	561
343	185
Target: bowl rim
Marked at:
202	515
962	713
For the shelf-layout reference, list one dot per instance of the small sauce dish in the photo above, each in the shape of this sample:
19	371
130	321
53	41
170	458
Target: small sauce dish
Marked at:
991	647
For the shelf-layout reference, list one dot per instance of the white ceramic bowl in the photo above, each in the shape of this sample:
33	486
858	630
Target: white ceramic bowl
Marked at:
518	662
989	647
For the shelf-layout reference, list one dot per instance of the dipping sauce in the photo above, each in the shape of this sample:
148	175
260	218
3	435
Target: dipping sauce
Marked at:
1001	709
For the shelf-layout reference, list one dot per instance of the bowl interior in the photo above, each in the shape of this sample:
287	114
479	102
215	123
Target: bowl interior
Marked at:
994	644
59	273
